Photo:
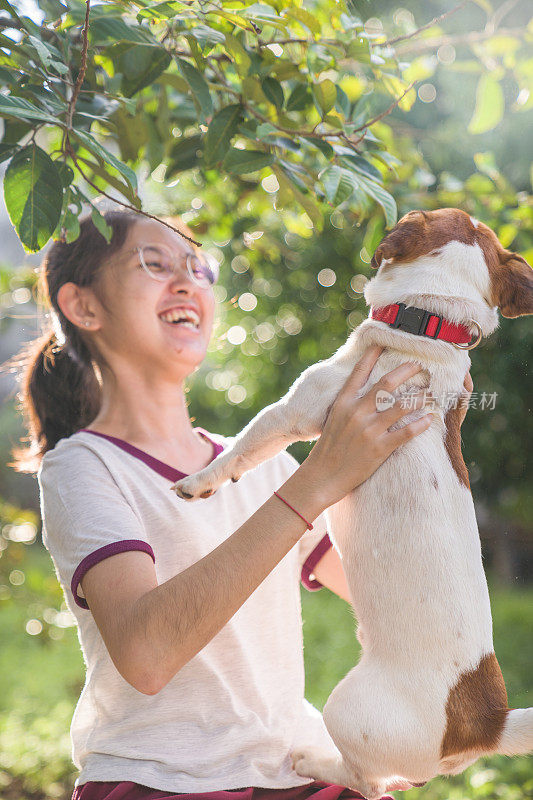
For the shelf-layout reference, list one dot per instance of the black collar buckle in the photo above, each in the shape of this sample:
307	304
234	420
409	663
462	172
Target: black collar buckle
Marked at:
414	320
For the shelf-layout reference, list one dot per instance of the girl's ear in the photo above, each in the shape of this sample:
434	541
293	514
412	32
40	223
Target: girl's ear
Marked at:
512	286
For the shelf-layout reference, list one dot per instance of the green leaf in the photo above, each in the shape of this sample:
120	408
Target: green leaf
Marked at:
22	109
219	133
286	182
265	129
361	165
7	150
381	196
100	223
108	30
112	180
66	173
131	133
140	66
337	183
325	148
299	98
325	95
71	223
207	36
490	105
198	86
48	55
185	154
155	150
304	17
319	58
97	149
342	103
273	91
241	58
261	14
359	50
33	195
243	161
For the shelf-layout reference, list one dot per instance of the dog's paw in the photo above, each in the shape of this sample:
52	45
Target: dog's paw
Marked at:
195	486
303	760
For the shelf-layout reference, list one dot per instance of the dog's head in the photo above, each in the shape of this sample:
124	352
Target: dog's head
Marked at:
507	281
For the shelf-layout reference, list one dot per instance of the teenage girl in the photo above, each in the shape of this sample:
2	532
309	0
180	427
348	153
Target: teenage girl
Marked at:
188	614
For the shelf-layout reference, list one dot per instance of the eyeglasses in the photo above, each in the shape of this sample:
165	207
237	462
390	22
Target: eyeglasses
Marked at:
162	263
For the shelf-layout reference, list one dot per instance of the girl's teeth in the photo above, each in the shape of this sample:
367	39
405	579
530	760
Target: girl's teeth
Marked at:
186	322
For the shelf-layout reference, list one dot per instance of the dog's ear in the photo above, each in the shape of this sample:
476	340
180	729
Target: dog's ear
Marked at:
512	286
378	256
404	241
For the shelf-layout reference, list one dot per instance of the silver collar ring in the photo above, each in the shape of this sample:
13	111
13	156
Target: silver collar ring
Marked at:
471	345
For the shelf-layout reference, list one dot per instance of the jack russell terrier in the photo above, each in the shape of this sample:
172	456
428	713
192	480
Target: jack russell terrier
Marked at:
427	696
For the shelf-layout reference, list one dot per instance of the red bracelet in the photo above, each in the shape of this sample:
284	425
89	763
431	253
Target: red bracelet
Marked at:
309	526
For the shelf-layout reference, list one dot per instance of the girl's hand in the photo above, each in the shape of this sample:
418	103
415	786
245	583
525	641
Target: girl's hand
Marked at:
356	439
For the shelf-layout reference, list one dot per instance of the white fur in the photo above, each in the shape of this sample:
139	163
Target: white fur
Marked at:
410	551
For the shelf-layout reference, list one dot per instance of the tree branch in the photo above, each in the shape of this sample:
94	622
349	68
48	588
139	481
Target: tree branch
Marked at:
386	112
434	21
69	151
83	69
472	37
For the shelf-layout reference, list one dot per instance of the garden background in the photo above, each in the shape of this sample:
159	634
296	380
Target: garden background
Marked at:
289	135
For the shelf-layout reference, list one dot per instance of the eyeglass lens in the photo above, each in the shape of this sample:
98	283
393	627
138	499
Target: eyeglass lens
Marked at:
161	263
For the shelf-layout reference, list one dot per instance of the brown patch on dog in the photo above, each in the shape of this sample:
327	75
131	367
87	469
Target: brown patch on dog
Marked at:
421	232
418	785
476	710
511	277
452	443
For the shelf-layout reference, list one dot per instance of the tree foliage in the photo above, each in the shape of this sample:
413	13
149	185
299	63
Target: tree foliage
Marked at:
293	236
246	90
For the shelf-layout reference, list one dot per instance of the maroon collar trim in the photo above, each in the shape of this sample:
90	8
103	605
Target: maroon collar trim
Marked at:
158	466
411	319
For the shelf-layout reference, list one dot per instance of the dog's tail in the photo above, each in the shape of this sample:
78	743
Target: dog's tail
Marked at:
517	735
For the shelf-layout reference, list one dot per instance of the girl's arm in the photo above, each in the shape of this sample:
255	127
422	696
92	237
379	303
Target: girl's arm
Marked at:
151	631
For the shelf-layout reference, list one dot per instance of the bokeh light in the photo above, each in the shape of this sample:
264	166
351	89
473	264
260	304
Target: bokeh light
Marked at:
236	334
326	277
427	93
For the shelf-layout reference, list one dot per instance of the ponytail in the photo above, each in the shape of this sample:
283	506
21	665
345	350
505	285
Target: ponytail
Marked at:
59	395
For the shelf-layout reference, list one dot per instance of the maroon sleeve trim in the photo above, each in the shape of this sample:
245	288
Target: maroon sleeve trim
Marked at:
99	555
312	560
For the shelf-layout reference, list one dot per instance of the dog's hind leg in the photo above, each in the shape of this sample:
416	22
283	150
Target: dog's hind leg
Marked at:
311	762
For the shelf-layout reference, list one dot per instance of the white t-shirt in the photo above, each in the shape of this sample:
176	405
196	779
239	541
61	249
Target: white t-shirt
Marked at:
231	716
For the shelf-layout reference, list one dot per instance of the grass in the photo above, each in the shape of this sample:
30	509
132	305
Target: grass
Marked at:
42	676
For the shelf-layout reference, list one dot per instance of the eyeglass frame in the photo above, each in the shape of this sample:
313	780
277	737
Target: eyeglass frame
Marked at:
190	253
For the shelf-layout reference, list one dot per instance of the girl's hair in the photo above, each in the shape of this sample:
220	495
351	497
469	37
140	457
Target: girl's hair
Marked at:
58	372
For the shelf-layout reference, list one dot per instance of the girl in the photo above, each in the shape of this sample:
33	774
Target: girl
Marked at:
188	614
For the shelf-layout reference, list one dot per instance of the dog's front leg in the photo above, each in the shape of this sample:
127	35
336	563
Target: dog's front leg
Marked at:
299	416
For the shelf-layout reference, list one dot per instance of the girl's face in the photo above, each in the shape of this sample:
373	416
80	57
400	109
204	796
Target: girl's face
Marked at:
135	329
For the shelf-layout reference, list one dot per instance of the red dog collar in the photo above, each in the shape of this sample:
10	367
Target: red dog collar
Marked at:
421	322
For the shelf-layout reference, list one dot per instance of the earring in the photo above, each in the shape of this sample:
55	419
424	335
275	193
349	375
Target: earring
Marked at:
87	323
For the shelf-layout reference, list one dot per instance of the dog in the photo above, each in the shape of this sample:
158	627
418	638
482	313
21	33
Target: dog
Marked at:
427	696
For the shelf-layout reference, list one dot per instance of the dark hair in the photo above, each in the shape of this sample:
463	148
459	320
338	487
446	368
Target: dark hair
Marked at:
58	372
